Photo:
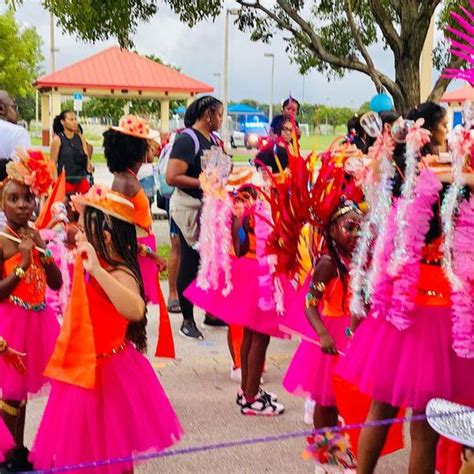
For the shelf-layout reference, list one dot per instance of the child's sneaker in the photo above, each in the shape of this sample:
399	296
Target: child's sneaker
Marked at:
309	411
240	399
262	406
236	375
273	396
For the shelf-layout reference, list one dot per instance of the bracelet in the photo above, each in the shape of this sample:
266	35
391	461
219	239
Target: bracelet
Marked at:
47	257
348	332
146	251
19	273
3	345
8	409
311	300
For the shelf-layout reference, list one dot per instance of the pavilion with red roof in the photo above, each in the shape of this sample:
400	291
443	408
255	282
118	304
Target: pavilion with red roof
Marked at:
119	73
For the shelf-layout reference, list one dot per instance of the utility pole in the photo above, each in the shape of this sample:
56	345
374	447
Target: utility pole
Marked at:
272	56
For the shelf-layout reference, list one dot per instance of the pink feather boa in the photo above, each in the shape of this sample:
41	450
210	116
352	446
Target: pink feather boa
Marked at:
266	263
394	296
462	300
215	243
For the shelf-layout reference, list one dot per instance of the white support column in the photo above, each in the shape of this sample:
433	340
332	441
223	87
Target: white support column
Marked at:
165	115
45	120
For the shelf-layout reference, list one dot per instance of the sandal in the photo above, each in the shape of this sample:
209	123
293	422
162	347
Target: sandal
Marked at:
174	307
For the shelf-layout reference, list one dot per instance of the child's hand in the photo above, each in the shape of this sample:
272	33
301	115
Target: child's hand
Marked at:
89	257
161	263
16	359
37	239
13	357
328	345
25	247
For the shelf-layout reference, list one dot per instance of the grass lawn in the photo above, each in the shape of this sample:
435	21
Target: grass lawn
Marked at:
164	251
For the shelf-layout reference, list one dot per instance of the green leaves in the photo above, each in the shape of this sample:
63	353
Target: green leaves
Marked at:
20	56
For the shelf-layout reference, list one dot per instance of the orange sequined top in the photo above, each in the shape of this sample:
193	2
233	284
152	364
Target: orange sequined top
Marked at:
109	326
142	216
433	286
335	301
31	290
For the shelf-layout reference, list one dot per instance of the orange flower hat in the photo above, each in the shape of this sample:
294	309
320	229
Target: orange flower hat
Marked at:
136	126
34	169
108	201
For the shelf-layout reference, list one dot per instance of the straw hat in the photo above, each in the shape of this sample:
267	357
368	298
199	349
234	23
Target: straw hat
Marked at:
137	127
452	420
244	175
109	202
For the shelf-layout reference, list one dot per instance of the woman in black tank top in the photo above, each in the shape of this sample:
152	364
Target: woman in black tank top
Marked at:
68	152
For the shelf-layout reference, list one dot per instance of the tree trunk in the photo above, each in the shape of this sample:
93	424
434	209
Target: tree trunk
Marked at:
407	77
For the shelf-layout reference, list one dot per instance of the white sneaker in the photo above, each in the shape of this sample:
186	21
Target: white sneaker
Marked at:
262	406
236	375
309	411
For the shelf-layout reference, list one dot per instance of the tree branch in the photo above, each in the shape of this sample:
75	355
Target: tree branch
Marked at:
386	25
443	82
312	40
361	46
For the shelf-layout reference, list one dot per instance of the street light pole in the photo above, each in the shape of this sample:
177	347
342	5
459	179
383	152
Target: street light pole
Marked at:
218	75
225	130
272	56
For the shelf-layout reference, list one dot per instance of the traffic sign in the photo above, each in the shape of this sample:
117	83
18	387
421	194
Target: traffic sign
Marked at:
77	96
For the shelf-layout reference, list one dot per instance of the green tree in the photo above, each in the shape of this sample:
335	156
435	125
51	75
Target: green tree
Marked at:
26	107
20	56
332	36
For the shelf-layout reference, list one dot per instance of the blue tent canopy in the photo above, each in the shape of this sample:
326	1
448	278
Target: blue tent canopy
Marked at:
243	109
180	110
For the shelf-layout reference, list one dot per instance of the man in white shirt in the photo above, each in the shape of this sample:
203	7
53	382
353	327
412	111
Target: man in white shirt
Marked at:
11	134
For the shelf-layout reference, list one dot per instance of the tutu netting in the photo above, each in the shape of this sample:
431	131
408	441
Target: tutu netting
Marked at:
31	332
409	367
240	307
310	373
149	269
127	413
6	441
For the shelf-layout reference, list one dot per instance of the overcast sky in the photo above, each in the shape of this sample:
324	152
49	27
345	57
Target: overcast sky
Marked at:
199	53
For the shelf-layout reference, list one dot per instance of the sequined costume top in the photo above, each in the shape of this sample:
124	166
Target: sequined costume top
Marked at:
30	292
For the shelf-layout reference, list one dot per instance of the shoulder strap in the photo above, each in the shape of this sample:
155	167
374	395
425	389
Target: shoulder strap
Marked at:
190	132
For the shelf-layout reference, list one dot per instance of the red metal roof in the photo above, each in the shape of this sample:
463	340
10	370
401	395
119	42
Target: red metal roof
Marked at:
116	68
459	95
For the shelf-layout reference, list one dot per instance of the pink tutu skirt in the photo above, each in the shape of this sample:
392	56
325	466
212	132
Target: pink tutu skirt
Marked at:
126	413
6	441
240	306
31	332
149	270
408	368
310	373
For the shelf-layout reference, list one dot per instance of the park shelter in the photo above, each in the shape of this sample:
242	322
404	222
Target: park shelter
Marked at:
455	100
116	73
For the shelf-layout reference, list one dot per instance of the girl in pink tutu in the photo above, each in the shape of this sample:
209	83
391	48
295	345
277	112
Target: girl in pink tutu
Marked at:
241	307
126	148
26	322
405	350
326	308
106	401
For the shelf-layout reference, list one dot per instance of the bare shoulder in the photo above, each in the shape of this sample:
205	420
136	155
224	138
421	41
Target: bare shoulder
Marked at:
124	276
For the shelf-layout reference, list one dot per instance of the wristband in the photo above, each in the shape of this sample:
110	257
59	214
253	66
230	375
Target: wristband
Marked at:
47	257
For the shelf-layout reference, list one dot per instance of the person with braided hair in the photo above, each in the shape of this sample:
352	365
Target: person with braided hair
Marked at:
203	118
106	401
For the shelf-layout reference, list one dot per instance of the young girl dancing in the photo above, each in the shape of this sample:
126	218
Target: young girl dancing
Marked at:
26	322
106	401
